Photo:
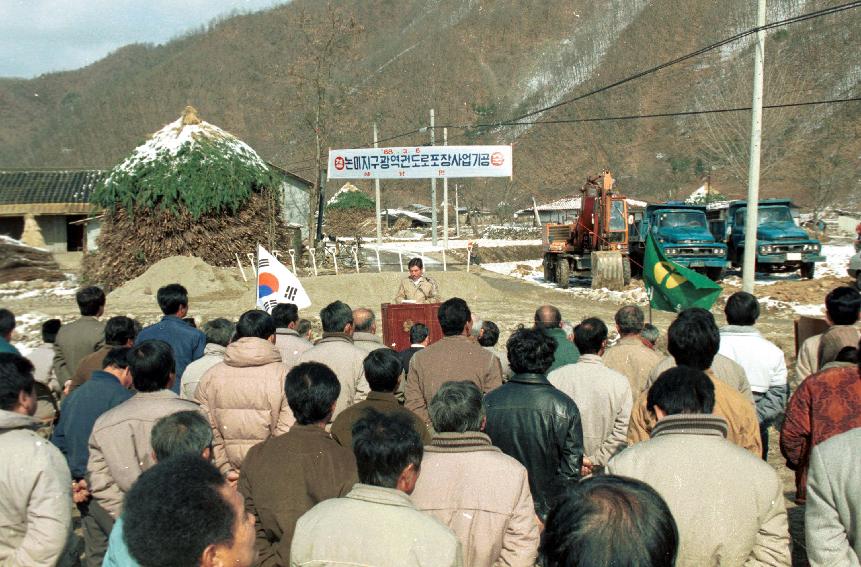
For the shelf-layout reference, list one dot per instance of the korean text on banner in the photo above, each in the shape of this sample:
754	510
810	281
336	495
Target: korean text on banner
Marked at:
421	162
276	284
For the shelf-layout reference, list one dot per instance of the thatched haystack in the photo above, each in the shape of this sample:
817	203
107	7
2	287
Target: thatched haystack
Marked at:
191	190
20	262
350	213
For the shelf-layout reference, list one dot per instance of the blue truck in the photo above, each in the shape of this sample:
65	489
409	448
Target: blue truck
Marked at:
781	245
682	232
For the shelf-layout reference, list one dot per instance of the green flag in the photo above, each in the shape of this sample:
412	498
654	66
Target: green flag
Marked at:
672	287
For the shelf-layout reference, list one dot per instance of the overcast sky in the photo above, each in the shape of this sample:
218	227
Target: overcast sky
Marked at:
40	36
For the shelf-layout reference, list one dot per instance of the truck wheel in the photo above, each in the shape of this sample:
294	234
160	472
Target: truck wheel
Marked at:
626	271
807	269
563	270
548	269
714	274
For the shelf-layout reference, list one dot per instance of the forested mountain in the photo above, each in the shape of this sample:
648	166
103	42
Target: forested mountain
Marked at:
271	77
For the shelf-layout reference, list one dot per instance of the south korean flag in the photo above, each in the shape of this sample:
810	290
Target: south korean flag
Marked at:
276	284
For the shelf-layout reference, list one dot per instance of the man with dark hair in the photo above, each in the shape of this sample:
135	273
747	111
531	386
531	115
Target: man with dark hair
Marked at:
105	390
181	433
455	357
419	339
826	404
762	360
79	338
417	288
602	395
288	339
186	342
219	332
727	503
488	337
35	501
534	422
693	340
377	523
182	512
337	351
832	517
7	325
630	356
303	327
285	476
584	526
243	397
119	332
548	319
48	390
472	487
842	309
120	443
384	373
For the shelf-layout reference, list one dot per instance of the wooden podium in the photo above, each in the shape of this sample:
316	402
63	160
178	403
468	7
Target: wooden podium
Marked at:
399	317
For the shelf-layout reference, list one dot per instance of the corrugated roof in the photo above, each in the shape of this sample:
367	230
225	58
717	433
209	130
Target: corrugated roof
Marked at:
61	186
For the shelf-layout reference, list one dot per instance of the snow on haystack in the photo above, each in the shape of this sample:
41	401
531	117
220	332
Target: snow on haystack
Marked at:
347	188
188	130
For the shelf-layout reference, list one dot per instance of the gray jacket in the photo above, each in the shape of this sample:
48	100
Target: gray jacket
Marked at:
291	345
337	351
35	496
832	518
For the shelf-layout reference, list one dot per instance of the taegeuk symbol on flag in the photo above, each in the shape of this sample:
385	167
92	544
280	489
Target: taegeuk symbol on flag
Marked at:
276	284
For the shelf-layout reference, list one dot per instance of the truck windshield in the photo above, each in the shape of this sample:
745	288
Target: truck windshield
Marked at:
676	219
774	214
766	215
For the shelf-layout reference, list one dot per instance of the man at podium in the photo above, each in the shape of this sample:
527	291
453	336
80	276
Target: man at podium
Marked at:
417	288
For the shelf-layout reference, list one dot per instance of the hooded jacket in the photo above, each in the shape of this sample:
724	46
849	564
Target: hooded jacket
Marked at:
243	398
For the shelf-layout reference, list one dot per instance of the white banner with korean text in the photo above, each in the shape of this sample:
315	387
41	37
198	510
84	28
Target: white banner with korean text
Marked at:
420	162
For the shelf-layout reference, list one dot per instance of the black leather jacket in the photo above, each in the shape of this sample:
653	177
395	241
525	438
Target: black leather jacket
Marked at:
532	421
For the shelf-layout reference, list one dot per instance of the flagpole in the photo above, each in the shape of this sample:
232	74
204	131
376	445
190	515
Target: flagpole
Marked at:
257	271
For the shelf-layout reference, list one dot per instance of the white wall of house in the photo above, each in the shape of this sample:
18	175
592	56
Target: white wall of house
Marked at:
53	228
93	228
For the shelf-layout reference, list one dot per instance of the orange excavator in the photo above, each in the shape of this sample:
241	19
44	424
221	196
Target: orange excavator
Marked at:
596	244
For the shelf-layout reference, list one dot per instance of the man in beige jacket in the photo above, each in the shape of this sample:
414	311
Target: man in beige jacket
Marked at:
120	447
337	351
842	306
630	356
455	357
243	396
417	288
693	339
474	488
287	337
727	503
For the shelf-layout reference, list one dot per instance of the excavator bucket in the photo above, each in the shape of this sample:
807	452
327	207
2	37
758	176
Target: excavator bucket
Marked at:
608	270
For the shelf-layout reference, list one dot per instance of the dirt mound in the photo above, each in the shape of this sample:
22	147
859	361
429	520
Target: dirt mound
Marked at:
200	279
491	254
804	292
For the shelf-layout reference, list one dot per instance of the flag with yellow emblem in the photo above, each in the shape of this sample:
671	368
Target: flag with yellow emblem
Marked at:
672	287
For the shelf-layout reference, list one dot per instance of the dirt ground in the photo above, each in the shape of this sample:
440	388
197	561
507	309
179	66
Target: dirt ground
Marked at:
506	300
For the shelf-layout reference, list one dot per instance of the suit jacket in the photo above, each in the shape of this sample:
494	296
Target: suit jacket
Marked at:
406	356
832	517
75	341
186	342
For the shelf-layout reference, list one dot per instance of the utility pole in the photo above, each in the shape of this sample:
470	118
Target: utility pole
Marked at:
748	272
377	197
433	188
445	197
456	212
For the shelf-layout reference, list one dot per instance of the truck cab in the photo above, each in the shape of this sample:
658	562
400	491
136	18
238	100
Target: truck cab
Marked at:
781	245
682	232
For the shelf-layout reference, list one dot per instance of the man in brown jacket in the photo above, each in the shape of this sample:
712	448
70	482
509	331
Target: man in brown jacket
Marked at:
693	339
383	371
472	487
78	339
630	356
287	339
285	476
119	332
243	397
455	357
337	351
120	447
727	503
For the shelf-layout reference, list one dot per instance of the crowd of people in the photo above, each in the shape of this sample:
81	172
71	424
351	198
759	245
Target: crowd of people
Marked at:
246	443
